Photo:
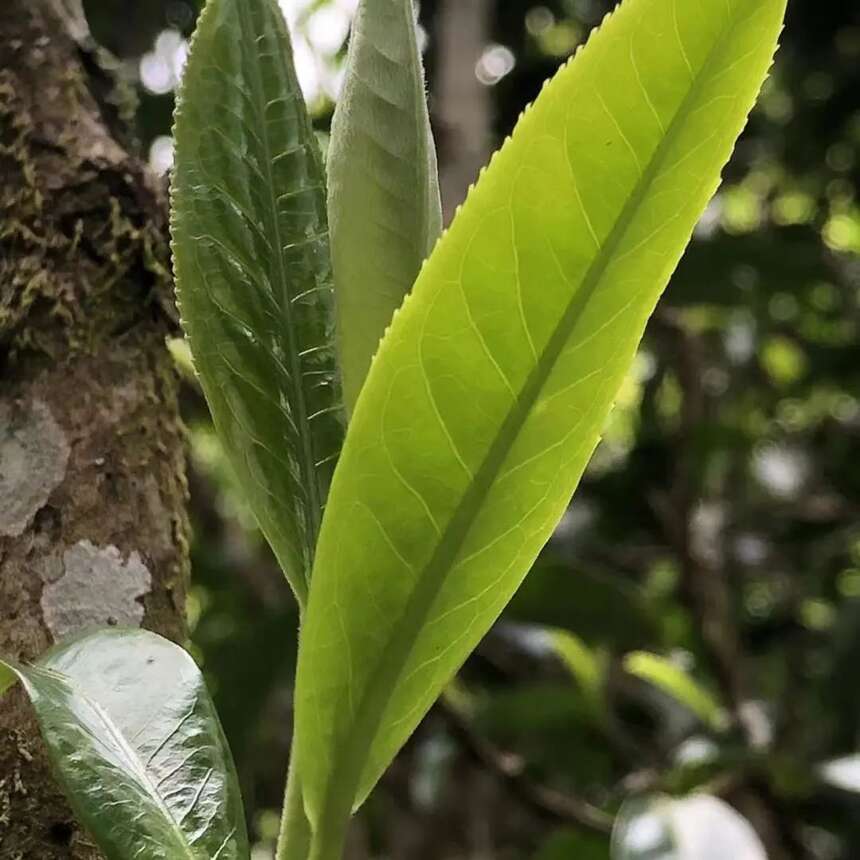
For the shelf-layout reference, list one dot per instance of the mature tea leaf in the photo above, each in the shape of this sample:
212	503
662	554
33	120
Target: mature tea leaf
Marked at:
136	744
253	272
383	200
492	385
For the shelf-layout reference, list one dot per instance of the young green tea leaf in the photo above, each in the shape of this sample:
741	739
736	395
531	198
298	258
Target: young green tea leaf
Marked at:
676	683
135	742
490	389
383	200
253	274
587	666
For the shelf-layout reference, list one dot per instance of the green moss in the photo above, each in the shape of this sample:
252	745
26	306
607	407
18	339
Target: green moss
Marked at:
74	277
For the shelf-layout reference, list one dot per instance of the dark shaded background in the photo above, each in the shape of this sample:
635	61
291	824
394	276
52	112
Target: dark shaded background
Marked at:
719	523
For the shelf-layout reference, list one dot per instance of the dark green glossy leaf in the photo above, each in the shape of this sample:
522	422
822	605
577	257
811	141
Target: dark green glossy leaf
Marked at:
492	385
253	272
383	198
136	744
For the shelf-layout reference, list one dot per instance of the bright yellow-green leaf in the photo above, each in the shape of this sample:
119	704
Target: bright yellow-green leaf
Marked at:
585	665
253	276
490	389
674	681
383	199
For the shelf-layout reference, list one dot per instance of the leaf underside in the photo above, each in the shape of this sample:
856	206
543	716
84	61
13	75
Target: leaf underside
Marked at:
135	742
489	391
383	190
253	272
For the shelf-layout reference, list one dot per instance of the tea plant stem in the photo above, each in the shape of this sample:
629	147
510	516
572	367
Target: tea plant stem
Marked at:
294	839
328	843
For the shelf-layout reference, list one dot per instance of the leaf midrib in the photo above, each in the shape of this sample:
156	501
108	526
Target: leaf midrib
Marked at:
306	461
345	777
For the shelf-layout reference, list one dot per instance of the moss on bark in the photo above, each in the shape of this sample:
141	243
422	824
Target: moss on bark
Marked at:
85	310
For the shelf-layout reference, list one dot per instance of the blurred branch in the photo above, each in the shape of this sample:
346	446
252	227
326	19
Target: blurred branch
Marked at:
510	768
463	108
704	587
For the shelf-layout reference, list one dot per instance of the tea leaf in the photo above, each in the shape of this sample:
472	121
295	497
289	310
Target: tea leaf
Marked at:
135	742
383	201
491	387
253	276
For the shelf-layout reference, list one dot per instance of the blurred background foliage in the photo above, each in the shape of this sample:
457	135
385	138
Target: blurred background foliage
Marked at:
695	621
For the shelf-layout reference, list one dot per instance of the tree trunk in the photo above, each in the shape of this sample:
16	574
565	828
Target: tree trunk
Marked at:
464	107
92	489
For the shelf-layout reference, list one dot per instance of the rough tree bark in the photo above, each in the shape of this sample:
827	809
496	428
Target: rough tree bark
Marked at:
92	488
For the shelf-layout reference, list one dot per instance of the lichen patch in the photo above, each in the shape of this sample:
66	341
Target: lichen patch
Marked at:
33	457
97	588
